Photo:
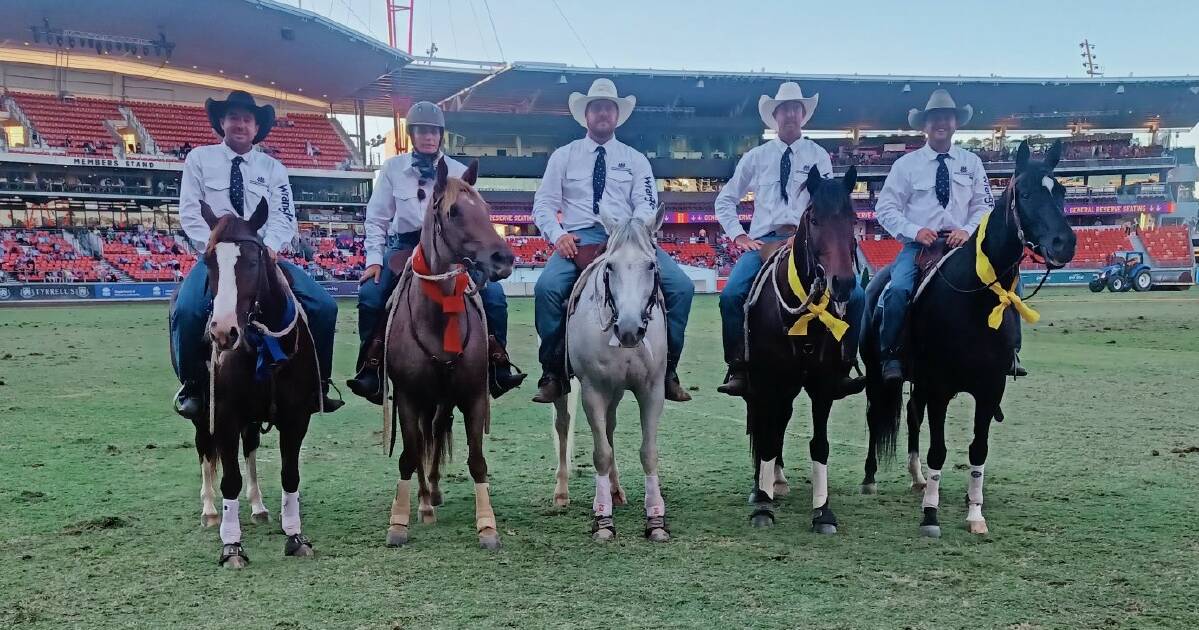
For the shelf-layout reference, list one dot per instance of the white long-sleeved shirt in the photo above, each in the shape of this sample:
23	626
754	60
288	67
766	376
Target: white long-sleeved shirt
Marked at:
629	188
908	200
395	206
206	175
758	171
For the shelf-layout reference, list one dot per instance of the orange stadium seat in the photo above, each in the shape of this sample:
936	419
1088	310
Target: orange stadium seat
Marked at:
1169	246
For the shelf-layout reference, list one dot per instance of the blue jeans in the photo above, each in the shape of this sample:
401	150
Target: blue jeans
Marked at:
193	305
558	278
896	297
372	297
736	291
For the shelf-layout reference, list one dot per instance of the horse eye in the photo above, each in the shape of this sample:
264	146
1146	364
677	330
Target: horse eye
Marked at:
454	210
649	267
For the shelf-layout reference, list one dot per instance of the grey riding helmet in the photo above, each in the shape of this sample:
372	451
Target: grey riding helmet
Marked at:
425	113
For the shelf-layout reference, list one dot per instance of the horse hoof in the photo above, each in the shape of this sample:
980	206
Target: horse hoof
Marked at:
603	535
761	520
397	536
930	531
298	546
977	527
781	490
435	498
210	520
918	486
428	518
824	528
261	517
236	562
490	542
658	535
561	500
869	488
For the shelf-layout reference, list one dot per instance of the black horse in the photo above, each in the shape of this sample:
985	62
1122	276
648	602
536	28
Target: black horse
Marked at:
951	348
784	360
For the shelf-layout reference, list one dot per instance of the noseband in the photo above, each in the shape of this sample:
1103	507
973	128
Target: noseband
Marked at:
610	301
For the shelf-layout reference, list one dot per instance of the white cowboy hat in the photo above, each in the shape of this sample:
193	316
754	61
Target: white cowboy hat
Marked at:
940	99
788	91
601	89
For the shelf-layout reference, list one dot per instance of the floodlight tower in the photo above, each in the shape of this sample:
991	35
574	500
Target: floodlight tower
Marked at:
1088	59
395	7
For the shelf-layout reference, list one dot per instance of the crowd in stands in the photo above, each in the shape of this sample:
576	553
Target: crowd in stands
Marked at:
44	256
145	255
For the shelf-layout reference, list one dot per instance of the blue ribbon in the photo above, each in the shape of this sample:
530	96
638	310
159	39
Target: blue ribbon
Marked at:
270	353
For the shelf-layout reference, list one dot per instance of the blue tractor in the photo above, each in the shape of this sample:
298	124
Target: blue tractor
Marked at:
1124	271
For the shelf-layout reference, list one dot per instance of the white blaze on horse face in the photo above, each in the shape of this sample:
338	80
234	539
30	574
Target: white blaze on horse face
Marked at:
224	302
1047	182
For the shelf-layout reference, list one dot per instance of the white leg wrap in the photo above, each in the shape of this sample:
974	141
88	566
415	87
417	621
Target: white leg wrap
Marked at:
766	477
914	468
974	494
654	505
819	484
230	525
291	513
932	491
603	496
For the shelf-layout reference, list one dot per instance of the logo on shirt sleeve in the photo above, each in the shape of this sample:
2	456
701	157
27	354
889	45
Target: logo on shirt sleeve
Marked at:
285	201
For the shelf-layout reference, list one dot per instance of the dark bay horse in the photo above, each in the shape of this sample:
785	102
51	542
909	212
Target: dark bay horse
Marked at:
253	303
792	344
437	351
952	348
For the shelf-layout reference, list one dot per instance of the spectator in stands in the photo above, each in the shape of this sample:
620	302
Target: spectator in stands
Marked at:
232	178
394	218
621	185
775	172
914	213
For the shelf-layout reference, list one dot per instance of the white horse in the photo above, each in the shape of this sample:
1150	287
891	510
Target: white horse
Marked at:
616	342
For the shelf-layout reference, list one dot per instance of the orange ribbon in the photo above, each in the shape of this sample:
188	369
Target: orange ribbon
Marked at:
453	304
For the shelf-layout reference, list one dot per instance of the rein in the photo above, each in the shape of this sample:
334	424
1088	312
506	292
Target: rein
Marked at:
610	301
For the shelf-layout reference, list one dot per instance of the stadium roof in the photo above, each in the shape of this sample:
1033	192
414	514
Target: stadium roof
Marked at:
846	101
299	51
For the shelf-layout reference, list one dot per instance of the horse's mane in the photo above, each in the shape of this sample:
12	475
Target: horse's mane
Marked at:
456	187
829	199
632	231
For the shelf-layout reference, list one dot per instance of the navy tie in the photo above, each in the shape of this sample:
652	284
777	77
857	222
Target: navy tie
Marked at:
785	174
237	187
599	177
942	180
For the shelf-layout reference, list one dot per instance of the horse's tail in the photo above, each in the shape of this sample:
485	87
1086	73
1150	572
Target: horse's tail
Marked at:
883	405
437	437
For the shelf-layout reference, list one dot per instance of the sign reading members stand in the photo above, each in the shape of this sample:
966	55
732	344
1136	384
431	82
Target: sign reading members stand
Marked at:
122	163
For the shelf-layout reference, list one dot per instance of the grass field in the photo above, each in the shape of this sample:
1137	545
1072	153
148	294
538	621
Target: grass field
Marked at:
1092	485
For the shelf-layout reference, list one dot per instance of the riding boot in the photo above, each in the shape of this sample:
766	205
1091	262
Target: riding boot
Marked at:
847	385
330	404
674	389
551	387
501	379
189	402
736	382
368	382
1017	370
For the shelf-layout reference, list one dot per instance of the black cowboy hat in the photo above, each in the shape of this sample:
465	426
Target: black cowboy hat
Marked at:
264	114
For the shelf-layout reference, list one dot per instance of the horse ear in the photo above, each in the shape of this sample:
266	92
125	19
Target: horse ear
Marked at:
1054	155
609	222
814	179
851	178
1022	156
206	212
472	173
258	219
442	174
659	217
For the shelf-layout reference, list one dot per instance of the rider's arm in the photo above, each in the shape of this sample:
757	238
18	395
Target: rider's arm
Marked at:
730	196
281	226
645	191
981	200
891	203
379	212
548	198
190	193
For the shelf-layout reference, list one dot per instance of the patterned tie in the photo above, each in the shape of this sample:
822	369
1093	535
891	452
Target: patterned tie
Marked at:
785	174
599	177
942	180
237	187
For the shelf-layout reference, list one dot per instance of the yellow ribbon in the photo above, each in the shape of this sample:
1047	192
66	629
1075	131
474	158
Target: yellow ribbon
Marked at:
817	310
1007	297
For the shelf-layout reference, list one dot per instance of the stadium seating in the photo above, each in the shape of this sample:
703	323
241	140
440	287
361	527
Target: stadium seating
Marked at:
81	121
880	253
694	254
1169	246
530	251
146	256
1096	244
44	256
172	126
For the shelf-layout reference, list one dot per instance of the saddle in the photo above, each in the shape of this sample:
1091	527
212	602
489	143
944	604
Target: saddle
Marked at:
587	255
398	261
929	260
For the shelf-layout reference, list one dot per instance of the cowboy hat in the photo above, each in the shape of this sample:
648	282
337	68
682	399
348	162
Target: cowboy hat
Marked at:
264	114
940	99
788	91
601	89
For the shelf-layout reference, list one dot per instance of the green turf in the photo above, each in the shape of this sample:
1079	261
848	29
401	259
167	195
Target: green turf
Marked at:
1092	513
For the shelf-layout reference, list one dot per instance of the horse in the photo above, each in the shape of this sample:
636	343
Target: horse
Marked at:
962	334
249	391
793	335
436	351
616	342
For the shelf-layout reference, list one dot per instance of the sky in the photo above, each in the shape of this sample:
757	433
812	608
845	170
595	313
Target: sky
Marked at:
918	37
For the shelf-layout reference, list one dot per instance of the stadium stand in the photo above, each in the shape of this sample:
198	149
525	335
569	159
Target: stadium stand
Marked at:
81	122
1169	246
694	254
146	256
174	127
1095	244
530	251
44	256
879	253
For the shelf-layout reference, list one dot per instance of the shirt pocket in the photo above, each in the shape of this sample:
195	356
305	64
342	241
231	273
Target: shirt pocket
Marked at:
766	186
407	198
619	184
963	187
255	192
924	188
218	183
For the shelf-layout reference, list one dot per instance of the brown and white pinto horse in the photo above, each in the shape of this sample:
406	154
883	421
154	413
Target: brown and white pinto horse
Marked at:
437	351
251	298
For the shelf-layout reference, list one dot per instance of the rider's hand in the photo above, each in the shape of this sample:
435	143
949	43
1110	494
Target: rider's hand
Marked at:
958	238
567	245
372	271
747	244
926	237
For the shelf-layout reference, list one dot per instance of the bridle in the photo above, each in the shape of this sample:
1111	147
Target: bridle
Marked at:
646	311
465	264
